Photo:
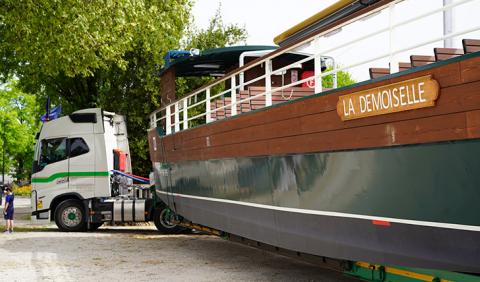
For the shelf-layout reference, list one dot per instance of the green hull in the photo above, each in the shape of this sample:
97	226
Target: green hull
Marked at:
432	182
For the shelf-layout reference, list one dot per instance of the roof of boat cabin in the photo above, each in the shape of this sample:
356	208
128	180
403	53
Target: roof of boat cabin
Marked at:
212	61
311	20
332	13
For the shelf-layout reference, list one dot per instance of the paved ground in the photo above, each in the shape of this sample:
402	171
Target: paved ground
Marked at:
141	254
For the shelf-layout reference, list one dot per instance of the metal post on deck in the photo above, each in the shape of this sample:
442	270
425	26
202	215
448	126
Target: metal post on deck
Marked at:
447	24
185	114
177	117
168	117
233	98
268	83
317	65
153	120
394	67
335	76
207	106
334	69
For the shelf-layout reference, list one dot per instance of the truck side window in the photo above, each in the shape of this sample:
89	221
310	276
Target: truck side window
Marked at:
78	147
53	150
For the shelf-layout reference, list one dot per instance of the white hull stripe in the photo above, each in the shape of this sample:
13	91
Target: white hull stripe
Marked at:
334	214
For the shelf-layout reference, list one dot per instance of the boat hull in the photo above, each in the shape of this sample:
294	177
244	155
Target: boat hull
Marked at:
396	205
342	237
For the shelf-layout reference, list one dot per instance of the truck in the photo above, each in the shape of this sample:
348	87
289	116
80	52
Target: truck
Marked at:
82	175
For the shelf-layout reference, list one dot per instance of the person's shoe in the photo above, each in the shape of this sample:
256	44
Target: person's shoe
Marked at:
11	231
6	232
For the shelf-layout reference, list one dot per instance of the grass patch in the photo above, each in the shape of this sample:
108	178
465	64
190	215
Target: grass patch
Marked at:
25	217
28	228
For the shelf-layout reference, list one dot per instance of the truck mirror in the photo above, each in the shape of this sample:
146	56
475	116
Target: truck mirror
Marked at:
35	167
38	166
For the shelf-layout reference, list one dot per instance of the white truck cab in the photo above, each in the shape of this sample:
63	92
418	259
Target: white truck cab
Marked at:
82	175
73	181
73	155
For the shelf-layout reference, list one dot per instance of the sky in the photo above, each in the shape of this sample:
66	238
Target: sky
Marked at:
263	19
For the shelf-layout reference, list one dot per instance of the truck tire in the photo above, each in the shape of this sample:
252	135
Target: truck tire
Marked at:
160	219
70	216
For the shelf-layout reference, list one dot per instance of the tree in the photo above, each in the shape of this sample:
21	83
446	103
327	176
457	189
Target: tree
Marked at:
93	54
73	37
216	35
343	79
19	121
98	54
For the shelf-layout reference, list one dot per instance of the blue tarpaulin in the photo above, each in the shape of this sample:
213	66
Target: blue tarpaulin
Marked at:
175	54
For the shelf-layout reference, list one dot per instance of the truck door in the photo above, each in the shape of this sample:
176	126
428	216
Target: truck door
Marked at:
50	176
81	165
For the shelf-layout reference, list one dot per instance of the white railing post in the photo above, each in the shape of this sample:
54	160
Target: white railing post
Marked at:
317	65
447	24
233	98
335	76
153	120
268	82
392	58
177	117
185	114
168	120
241	77
207	105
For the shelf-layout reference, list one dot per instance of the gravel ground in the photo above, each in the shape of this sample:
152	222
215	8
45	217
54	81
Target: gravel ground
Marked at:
141	254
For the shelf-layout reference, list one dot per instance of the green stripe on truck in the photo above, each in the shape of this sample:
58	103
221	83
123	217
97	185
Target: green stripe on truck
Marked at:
69	174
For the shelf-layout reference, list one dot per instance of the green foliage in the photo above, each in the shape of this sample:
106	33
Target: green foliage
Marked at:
216	35
343	79
93	54
19	121
72	37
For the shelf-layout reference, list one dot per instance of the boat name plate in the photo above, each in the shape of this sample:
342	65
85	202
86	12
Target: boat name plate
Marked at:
419	92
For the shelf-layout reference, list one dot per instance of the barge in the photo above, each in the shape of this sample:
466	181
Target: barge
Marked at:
280	150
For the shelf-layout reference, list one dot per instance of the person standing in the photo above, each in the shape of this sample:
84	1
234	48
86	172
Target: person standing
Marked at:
9	209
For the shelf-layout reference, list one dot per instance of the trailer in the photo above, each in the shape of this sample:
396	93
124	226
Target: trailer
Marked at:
82	175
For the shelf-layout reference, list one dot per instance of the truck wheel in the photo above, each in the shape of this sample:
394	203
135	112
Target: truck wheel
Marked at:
163	224
69	216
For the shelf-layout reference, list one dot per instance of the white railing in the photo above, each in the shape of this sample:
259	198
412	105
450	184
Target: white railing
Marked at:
178	115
